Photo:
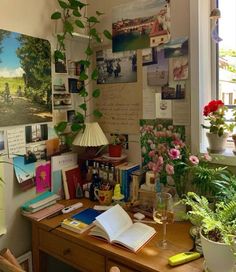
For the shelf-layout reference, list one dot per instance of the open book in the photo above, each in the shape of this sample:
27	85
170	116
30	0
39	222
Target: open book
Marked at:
116	226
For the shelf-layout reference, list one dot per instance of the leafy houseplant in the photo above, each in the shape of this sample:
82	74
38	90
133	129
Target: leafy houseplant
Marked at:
218	230
116	144
72	16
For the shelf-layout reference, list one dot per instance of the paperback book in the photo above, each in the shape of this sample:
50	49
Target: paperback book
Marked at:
116	226
75	225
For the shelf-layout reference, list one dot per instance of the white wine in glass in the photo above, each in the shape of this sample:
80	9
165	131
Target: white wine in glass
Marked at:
163	214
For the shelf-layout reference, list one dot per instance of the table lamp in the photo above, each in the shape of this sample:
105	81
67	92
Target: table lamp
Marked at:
92	136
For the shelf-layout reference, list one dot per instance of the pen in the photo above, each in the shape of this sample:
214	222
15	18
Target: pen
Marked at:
145	221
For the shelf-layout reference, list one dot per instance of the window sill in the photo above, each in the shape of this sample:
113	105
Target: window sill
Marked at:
227	158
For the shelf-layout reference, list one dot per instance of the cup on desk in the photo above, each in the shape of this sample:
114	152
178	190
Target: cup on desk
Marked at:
103	196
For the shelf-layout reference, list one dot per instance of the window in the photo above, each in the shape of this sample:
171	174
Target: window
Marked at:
226	57
203	64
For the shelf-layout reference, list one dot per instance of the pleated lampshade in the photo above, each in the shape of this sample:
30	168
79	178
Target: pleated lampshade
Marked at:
92	136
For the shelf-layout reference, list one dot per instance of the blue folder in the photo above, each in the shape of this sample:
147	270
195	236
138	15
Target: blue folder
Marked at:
87	216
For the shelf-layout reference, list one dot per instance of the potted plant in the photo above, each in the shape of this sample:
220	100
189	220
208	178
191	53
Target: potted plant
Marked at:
72	15
219	130
116	145
217	231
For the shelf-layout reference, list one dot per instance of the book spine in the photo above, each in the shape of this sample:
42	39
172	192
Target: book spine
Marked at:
127	180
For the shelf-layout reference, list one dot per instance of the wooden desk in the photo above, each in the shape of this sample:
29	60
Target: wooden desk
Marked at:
87	253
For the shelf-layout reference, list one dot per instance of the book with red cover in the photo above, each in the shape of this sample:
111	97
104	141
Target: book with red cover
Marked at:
71	180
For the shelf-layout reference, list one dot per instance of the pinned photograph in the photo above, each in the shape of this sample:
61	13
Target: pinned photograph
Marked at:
36	133
70	116
176	48
38	149
180	68
173	91
61	101
75	85
60	65
116	67
157	74
149	56
140	24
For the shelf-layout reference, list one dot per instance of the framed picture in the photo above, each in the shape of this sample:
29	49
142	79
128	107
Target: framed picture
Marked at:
149	56
26	261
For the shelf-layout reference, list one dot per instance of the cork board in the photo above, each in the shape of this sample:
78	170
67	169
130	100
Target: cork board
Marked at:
121	104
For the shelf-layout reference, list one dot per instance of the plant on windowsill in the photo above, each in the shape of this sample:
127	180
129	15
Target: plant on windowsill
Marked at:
217	230
72	16
219	130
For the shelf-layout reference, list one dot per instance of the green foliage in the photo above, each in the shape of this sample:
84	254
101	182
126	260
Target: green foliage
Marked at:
219	224
73	15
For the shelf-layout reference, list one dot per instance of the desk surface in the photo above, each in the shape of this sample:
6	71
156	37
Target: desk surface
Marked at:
148	259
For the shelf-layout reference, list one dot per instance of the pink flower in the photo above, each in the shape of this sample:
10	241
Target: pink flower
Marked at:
170	169
207	157
151	154
174	154
194	160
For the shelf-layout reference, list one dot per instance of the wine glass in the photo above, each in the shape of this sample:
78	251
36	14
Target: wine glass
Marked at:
163	214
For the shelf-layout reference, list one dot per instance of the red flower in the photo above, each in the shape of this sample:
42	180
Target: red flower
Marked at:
212	106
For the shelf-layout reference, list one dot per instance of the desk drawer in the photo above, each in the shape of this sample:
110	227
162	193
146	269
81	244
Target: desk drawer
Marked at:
111	263
72	253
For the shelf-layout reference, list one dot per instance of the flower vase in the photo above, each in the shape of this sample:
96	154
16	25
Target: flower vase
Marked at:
216	143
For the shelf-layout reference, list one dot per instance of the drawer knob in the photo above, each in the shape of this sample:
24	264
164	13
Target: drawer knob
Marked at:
66	251
114	269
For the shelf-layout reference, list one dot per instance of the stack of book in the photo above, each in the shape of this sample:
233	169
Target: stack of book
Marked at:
39	202
81	221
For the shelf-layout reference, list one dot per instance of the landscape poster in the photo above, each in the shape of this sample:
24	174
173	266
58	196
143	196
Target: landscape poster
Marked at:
25	79
140	24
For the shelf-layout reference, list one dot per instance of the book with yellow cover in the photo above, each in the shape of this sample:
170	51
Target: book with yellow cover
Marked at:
75	225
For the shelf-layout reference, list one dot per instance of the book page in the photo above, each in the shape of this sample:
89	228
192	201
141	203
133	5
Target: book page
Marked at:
135	236
114	221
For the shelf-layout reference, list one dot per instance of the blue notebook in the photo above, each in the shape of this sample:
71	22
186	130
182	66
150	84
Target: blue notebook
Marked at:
87	216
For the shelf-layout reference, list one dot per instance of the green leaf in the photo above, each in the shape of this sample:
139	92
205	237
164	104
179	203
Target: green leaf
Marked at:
94	75
63	4
79	23
83	106
88	51
56	15
99	13
60	127
81	5
96	93
74	4
107	34
76	127
83	76
79	118
76	13
83	92
97	113
68	27
93	19
86	63
58	55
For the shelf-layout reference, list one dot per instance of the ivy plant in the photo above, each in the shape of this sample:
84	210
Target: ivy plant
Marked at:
72	15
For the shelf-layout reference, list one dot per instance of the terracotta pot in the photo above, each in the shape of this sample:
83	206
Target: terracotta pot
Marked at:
115	150
216	143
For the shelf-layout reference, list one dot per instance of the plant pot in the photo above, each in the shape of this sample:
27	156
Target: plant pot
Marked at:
216	143
115	150
218	256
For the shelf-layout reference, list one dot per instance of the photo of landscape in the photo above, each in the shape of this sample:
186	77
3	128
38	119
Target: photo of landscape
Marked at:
25	79
132	30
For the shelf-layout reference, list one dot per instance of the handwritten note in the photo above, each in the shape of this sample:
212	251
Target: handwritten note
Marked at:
121	110
16	141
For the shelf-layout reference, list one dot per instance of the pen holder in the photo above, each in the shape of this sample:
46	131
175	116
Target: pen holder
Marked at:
103	196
